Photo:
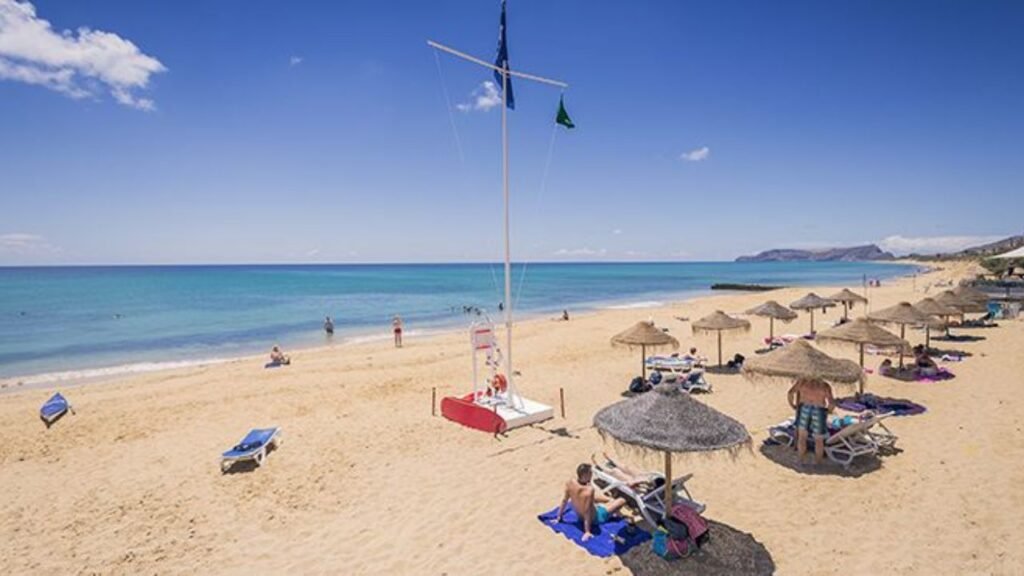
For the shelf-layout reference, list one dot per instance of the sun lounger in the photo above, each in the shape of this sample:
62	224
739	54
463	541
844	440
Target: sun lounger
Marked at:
864	438
253	447
651	503
695	382
54	408
668	363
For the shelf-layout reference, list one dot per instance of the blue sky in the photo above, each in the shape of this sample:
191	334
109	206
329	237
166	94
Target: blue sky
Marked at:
231	131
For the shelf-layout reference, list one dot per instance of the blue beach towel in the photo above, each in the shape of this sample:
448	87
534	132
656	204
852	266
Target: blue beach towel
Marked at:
609	539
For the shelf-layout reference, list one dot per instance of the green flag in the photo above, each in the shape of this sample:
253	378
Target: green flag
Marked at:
563	116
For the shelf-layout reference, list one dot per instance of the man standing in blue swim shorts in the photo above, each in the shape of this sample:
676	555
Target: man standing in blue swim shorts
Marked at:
812	399
592	506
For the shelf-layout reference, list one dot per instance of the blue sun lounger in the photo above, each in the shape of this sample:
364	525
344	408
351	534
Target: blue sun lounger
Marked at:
54	408
253	447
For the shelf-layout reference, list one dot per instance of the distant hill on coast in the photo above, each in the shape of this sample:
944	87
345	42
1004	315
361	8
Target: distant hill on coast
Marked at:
869	252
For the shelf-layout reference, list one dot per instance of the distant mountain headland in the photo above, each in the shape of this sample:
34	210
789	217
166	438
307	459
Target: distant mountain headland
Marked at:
869	252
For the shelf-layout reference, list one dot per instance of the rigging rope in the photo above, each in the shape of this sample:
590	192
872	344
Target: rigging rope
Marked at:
448	106
540	194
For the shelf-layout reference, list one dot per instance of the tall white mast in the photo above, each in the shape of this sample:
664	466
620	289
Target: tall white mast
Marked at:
506	74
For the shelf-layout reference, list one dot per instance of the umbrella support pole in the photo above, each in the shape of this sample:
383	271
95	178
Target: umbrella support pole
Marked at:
860	385
719	348
643	361
669	492
903	336
771	331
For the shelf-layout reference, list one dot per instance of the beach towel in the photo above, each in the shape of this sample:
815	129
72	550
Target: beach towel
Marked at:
881	404
939	376
614	537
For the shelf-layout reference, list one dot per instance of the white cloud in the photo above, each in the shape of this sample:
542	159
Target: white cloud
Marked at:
295	60
313	252
483	98
22	243
73	63
617	231
696	155
580	252
933	244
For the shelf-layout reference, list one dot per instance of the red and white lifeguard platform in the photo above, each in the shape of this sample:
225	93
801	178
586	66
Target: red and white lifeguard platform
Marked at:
494	405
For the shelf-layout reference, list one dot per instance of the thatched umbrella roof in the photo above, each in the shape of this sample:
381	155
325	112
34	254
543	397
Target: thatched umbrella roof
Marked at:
963	305
862	332
801	360
773	311
847	298
644	335
717	322
933	308
811	302
902	314
972	294
668	420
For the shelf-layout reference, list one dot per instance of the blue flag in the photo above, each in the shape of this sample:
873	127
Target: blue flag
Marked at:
502	61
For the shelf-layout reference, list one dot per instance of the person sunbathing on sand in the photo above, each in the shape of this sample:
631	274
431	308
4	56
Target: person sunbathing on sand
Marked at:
279	357
925	364
591	505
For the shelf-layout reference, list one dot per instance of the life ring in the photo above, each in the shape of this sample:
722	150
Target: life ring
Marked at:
499	383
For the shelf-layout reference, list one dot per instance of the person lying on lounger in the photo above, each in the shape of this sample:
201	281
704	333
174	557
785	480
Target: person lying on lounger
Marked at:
278	357
693	358
621	472
591	504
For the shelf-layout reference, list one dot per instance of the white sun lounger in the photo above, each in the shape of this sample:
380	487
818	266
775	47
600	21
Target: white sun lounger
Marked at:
253	447
858	439
651	504
695	382
668	363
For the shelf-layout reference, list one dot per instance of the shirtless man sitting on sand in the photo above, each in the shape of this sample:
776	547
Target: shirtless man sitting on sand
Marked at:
591	505
812	399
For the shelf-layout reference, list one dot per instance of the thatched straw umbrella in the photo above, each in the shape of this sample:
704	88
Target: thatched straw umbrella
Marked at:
773	311
862	332
848	299
902	314
717	322
932	308
645	335
801	360
964	305
811	302
670	421
972	294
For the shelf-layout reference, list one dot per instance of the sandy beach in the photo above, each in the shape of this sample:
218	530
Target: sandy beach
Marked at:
368	482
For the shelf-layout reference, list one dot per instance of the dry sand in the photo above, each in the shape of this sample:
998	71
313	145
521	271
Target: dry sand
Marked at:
367	482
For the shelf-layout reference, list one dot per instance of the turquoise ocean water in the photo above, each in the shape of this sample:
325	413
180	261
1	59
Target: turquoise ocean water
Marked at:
68	322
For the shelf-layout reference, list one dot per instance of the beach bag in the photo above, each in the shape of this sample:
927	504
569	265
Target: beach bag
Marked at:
639	386
655	378
686	531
